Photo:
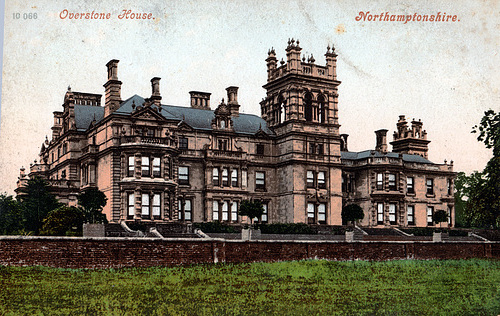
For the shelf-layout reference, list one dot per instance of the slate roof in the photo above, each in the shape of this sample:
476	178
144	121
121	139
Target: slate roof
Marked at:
350	155
85	114
200	119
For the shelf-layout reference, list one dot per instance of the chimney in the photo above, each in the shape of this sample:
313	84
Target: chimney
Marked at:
232	100
381	141
155	91
112	88
200	100
343	142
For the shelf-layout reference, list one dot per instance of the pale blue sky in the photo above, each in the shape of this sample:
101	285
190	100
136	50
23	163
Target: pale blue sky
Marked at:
445	73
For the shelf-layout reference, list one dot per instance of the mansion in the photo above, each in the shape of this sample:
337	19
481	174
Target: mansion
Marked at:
166	163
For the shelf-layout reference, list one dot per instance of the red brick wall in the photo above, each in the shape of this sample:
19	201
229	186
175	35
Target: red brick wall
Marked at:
141	252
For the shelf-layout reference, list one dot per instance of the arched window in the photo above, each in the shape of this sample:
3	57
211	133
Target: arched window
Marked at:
321	105
308	109
281	109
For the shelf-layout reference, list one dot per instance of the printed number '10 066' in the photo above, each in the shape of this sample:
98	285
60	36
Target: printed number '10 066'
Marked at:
26	16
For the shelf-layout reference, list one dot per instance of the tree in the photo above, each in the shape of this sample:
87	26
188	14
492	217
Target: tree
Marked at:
252	209
65	220
92	201
10	216
36	202
440	216
481	195
352	213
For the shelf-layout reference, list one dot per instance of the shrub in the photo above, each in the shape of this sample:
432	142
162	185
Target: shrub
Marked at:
215	227
352	213
290	228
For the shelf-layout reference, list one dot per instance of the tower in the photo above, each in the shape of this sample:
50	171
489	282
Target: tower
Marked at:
301	108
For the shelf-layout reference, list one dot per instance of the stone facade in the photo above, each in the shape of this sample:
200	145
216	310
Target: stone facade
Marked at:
165	163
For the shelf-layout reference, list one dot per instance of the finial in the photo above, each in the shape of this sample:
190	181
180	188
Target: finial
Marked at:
69	88
133	104
282	62
445	161
303	58
312	59
297	42
328	48
289	41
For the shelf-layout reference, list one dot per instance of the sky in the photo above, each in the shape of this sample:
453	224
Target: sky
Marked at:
444	73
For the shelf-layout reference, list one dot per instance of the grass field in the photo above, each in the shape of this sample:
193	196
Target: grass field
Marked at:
453	287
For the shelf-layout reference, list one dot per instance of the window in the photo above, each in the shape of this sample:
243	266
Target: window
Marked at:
185	210
308	107
183	143
63	174
225	211
131	166
234	211
156	167
321	180
410	215
321	103
322	213
145	166
244	178
131	206
234	177
450	209
260	180
312	148
410	185
450	187
380	213
316	212
183	175
65	148
222	144
392	182
225	177
222	124
430	186
380	181
321	149
150	132
392	214
215	210
260	149
156	206
145	205
311	219
310	179
263	218
215	176
430	215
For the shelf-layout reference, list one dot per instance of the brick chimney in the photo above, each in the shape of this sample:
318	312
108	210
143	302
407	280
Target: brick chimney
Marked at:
112	88
155	91
232	100
343	142
200	100
381	141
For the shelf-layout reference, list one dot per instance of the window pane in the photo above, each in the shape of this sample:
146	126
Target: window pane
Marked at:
183	175
310	210
156	166
380	212
225	211
131	204
310	178
215	210
145	204
187	210
264	214
225	175
234	177
243	178
234	211
131	166
180	209
392	213
321	212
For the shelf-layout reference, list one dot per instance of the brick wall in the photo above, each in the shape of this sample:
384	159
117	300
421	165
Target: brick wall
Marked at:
67	252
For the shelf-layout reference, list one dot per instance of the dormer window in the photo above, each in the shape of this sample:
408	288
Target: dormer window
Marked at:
222	124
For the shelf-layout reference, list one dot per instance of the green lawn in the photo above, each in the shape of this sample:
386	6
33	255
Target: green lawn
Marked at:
452	287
